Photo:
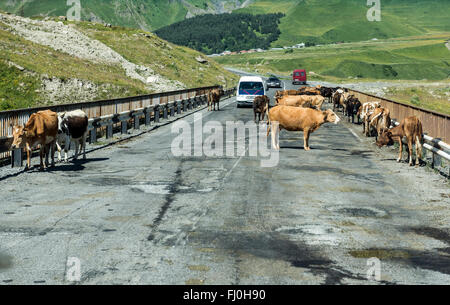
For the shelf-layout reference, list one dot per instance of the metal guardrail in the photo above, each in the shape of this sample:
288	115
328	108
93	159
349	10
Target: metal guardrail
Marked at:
106	115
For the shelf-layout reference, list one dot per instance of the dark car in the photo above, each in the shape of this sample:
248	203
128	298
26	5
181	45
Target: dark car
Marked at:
273	82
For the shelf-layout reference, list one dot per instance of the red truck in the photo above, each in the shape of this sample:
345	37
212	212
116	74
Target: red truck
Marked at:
299	76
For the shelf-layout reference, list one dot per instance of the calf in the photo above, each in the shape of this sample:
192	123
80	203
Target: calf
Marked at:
41	129
73	126
411	128
297	119
214	98
260	106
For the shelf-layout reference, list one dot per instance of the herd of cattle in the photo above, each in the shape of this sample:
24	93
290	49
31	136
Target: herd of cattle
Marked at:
295	110
301	110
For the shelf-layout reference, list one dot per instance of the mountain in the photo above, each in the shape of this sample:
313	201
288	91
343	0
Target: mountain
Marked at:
143	14
315	21
45	62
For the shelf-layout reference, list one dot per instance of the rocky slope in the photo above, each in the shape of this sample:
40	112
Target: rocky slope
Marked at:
79	61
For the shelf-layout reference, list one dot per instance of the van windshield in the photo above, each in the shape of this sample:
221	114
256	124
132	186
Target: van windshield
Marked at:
251	88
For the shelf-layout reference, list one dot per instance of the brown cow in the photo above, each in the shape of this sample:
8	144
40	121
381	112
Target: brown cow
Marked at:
41	129
308	91
260	106
281	93
297	119
315	101
379	119
411	128
214	98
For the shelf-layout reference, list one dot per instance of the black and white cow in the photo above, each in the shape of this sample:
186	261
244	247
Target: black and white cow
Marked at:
72	128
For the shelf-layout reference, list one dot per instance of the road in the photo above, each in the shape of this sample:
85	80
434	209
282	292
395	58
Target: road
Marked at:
133	213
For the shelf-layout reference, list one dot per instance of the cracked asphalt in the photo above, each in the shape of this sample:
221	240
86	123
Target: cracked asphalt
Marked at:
133	213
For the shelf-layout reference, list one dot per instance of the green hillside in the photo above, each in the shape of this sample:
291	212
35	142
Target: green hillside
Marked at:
318	21
413	58
328	21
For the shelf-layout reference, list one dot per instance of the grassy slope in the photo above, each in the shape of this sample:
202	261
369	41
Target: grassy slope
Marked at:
171	61
424	57
345	20
138	13
21	89
433	98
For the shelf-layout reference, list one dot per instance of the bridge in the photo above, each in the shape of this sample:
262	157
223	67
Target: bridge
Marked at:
133	213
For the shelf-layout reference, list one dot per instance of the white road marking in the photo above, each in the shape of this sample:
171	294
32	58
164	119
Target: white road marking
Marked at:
356	136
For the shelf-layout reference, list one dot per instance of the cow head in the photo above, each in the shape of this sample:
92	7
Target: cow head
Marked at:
331	117
19	136
384	138
62	123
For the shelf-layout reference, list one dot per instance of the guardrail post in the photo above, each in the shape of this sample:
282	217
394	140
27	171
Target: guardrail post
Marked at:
157	114
436	159
93	135
178	107
109	131
148	116
124	127
137	123
165	112
16	158
172	109
184	102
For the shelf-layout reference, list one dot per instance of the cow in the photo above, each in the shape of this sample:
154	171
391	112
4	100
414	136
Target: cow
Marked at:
315	101
214	98
308	91
364	112
260	106
326	92
41	129
336	98
72	126
297	119
411	128
353	105
281	93
379	119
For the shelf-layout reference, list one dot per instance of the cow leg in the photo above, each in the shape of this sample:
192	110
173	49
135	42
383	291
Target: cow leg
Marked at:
52	149
254	114
275	131
28	148
306	139
41	156
400	151
262	115
84	146
418	151
218	105
58	148
77	145
410	150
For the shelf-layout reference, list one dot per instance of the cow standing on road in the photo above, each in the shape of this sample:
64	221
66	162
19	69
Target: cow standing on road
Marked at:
214	98
41	129
73	126
297	119
411	128
260	107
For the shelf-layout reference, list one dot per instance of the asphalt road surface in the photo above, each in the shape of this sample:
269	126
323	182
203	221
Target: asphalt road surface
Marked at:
133	213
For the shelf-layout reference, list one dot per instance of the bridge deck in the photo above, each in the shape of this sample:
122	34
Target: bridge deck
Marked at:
134	213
